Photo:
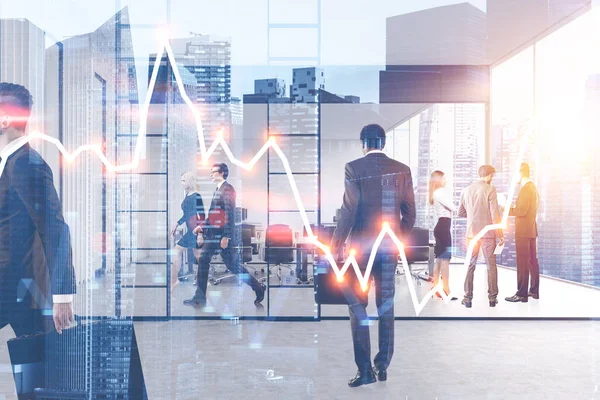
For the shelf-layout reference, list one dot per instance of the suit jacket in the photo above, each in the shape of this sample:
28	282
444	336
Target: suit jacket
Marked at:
220	220
479	204
525	211
377	189
35	241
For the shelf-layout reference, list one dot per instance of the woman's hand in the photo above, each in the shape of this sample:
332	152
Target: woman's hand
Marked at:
224	243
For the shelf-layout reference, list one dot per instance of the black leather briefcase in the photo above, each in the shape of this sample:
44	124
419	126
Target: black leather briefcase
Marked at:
328	290
52	366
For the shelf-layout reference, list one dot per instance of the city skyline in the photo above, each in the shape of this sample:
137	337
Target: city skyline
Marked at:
472	158
357	54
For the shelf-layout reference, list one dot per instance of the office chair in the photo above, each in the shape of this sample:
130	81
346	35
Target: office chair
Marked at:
279	249
252	228
417	250
324	233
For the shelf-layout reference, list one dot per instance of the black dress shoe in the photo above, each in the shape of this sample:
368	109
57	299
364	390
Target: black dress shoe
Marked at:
260	294
493	303
466	303
516	299
535	296
381	374
451	298
194	302
363	378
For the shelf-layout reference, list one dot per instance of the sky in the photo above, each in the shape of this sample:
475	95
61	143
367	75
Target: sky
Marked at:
352	32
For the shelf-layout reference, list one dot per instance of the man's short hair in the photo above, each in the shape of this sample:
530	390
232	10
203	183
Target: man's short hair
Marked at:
17	101
222	169
524	170
486	170
373	136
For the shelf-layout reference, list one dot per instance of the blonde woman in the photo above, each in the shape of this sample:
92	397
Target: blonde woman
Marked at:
443	207
193	213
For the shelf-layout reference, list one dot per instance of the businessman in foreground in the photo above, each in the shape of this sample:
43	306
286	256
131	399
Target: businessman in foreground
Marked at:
378	190
36	269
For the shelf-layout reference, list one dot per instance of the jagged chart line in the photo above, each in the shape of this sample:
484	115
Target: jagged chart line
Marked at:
270	143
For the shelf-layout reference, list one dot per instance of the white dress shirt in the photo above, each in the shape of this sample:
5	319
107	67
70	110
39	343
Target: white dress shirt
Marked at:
375	151
443	206
62	298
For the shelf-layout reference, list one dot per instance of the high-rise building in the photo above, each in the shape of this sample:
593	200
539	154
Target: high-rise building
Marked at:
427	121
275	87
449	140
22	46
208	58
91	97
306	83
591	121
171	151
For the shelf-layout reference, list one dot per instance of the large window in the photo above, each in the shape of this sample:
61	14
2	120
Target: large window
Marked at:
548	94
446	137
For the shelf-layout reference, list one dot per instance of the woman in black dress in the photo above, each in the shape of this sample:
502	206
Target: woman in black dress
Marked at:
193	214
443	208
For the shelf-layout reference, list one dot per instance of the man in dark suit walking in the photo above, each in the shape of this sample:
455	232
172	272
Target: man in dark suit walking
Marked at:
378	190
219	233
526	233
36	270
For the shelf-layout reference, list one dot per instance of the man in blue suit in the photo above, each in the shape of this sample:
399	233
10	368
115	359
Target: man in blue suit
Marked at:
36	268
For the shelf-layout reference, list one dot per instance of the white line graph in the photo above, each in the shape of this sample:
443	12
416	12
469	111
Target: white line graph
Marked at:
270	143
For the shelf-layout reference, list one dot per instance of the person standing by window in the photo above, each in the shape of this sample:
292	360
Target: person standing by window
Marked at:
443	207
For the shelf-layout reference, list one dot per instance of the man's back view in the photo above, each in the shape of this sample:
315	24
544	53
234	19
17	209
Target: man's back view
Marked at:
479	204
377	190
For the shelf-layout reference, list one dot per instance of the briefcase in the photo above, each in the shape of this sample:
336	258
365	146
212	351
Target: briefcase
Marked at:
328	290
53	366
27	359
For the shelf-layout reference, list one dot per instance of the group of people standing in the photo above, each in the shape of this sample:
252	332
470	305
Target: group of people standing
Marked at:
479	205
210	232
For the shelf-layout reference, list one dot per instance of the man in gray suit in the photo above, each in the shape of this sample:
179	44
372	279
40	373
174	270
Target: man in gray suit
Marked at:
479	204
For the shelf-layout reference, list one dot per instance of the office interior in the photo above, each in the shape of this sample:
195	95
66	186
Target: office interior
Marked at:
469	115
454	117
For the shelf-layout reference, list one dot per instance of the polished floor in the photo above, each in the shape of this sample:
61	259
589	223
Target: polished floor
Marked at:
558	299
439	359
313	360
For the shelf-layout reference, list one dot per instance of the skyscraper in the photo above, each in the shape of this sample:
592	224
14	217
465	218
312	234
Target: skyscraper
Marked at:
427	122
170	151
593	120
208	59
91	93
22	46
469	125
275	87
306	83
